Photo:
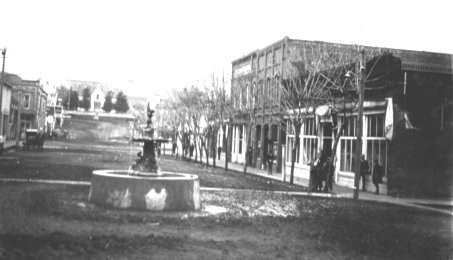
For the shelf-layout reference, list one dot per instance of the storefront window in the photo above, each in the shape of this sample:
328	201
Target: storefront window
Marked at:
376	144
348	144
348	148
291	142
309	140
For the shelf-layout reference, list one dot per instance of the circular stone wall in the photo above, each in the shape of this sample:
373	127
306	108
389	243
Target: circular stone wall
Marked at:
163	192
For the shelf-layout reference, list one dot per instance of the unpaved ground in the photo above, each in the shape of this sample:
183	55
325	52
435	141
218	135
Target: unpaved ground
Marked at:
44	221
76	161
94	130
56	221
52	220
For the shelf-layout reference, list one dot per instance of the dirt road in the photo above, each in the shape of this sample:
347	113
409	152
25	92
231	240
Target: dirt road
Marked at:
55	221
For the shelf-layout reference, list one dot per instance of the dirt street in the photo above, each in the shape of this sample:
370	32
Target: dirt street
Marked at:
55	221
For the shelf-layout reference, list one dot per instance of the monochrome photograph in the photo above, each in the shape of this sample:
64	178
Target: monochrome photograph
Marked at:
226	129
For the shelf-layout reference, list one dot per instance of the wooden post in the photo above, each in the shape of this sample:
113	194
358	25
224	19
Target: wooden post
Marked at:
1	99
359	128
19	112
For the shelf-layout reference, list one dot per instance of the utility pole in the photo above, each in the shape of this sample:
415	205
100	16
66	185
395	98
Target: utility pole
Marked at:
359	129
2	139
19	112
69	98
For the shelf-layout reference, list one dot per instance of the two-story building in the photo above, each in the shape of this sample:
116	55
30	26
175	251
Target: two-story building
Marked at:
31	101
410	89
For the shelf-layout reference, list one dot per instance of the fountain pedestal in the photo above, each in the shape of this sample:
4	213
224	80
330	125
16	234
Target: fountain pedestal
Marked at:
163	192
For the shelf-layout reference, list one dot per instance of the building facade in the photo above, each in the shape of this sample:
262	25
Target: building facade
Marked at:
410	90
5	111
27	102
31	101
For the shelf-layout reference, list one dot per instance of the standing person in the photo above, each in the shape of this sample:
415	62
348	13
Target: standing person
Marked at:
40	139
191	148
219	151
364	170
378	172
270	161
319	163
173	150
325	174
315	173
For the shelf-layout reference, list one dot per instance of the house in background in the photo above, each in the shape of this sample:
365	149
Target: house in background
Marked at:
97	100
97	90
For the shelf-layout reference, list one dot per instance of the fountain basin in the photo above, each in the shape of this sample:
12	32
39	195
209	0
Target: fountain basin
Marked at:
145	191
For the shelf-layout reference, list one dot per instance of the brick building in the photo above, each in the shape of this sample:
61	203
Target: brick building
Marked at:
31	102
412	89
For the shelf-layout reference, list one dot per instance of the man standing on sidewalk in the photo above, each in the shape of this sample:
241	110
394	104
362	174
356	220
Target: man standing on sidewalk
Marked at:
270	161
378	171
364	170
219	151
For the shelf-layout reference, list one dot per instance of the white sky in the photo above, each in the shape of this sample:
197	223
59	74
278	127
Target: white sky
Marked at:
161	45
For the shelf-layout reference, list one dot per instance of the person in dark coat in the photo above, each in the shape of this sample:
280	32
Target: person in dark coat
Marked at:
191	148
173	150
270	161
40	139
364	170
158	150
378	172
325	174
313	177
315	174
219	151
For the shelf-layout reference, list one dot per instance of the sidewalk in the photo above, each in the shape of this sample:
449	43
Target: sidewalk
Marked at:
442	206
9	145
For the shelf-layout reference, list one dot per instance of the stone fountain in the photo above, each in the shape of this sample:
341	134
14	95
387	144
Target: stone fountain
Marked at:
143	186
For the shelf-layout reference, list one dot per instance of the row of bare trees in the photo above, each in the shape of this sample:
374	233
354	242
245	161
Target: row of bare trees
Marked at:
195	115
323	76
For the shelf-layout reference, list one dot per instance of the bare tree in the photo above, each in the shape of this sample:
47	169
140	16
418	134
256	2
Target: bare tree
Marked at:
178	116
192	102
216	111
319	78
